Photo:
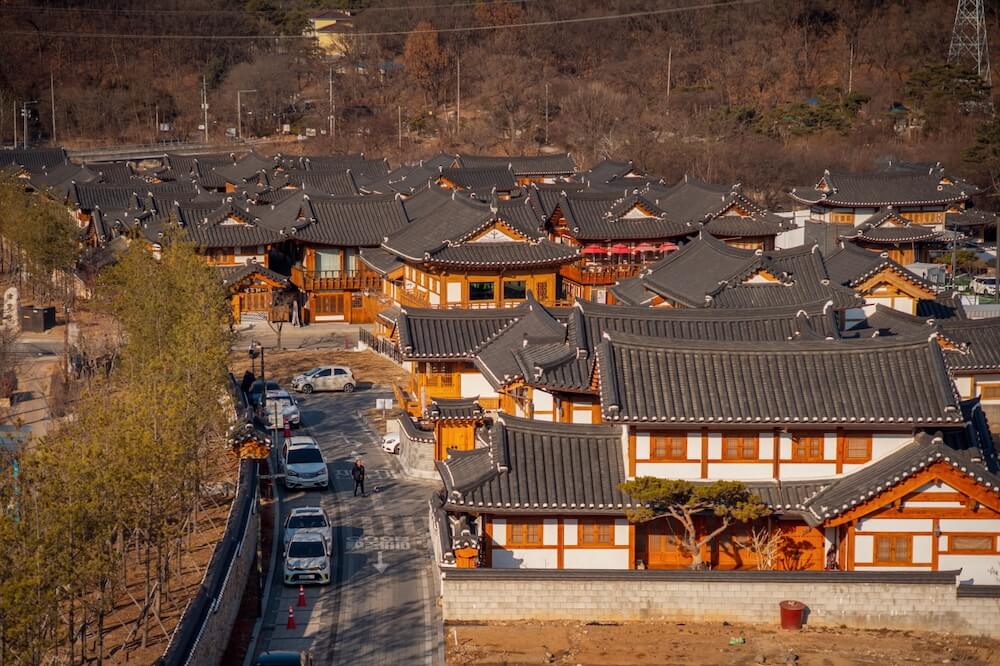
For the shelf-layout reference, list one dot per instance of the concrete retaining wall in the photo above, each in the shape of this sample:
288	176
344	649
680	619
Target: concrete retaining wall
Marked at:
904	600
416	451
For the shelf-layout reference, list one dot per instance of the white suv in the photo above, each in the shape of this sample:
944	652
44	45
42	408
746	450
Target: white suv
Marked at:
306	520
303	464
984	285
307	560
278	406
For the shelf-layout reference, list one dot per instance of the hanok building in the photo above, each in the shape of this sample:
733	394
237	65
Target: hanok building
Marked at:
878	278
706	272
883	469
890	233
525	168
922	196
460	252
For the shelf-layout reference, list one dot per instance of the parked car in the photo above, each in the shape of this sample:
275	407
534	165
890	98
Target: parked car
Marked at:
984	285
325	378
303	464
306	520
307	560
278	405
390	442
284	658
258	387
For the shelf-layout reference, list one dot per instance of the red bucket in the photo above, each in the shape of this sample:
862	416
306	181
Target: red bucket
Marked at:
791	614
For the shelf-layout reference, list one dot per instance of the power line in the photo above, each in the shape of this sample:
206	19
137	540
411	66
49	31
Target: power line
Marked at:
231	12
389	33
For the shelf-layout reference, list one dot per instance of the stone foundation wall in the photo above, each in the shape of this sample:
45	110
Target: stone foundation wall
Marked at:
904	600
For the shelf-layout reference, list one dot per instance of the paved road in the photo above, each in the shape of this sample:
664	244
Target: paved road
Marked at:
378	611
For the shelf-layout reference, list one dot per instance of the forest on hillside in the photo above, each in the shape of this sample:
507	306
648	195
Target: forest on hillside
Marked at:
766	92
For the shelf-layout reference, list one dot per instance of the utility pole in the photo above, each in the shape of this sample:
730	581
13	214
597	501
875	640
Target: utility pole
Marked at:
14	117
239	112
156	123
399	116
670	64
850	70
52	88
458	97
204	105
546	113
24	117
968	38
331	103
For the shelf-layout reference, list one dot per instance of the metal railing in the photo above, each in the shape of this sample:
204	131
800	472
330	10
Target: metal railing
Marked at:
380	345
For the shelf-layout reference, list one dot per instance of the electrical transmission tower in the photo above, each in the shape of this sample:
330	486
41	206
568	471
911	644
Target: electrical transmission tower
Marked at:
968	39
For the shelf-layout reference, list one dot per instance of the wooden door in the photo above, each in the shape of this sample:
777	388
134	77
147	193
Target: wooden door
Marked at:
663	546
255	301
327	305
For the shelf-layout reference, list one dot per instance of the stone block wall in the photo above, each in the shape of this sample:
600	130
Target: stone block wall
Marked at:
903	600
416	454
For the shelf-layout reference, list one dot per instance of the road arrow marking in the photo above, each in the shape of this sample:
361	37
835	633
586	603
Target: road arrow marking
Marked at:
380	566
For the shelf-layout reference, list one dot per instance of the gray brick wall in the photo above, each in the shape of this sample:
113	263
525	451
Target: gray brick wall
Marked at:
416	457
931	606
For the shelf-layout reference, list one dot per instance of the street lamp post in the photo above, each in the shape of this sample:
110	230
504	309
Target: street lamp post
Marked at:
239	112
24	116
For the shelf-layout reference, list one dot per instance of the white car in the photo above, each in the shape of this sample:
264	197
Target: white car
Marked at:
307	560
306	520
303	464
390	442
984	285
278	406
325	378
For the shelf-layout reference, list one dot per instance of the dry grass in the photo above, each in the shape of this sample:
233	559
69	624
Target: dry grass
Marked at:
283	365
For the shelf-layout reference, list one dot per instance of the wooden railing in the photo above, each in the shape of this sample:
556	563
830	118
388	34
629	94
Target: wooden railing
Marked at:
598	274
357	280
418	300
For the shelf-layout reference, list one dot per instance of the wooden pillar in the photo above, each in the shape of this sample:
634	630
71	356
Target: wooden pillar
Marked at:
704	453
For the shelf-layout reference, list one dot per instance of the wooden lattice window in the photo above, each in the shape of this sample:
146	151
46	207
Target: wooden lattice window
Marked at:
857	448
668	447
807	447
893	549
524	532
597	533
740	446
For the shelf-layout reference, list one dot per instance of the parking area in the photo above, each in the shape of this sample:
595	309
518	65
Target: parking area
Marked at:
381	606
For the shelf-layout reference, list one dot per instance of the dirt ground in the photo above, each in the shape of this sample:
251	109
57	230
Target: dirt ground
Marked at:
708	644
367	366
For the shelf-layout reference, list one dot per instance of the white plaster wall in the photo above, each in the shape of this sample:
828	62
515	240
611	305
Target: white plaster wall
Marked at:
933	505
766	446
969	525
785	444
474	384
932	487
525	558
583	416
688	471
550	531
975	568
454	293
621	532
434	298
830	446
595	558
964	386
864	548
714	445
642	446
242	258
694	445
570	532
885	443
740	471
542	401
809	471
896	525
500	531
898	568
922	547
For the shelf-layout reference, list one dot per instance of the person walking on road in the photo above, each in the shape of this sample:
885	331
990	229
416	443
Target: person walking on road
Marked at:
358	474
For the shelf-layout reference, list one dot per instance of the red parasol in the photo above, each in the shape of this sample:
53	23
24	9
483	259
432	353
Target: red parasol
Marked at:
669	247
594	249
618	248
644	247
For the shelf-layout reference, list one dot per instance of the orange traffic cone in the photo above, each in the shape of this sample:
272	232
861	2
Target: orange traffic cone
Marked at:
302	597
291	618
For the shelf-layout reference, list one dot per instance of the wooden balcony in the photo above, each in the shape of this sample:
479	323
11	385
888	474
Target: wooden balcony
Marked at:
598	274
356	280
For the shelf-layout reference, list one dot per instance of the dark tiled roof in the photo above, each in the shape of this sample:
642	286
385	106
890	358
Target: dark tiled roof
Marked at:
496	359
33	160
902	382
379	260
851	265
413	431
337	183
695	200
504	253
882	320
88	196
606	171
59	179
893	188
557	366
890	227
354	221
971	217
458	409
980	341
481	180
529	466
599	216
115	173
737	226
233	274
523	165
696	270
363	169
451	334
946	305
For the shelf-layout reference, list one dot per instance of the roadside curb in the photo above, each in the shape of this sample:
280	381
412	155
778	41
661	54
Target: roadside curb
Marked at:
269	580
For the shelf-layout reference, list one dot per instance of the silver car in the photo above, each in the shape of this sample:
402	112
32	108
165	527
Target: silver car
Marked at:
307	560
306	520
278	406
325	378
303	464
